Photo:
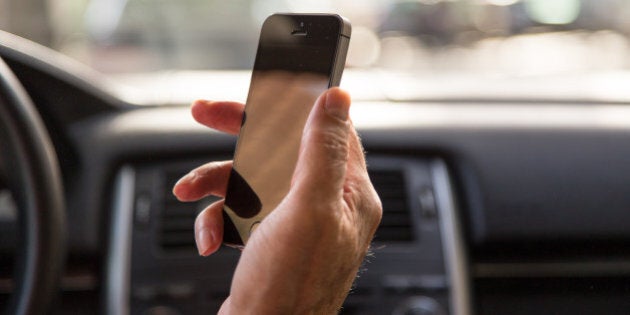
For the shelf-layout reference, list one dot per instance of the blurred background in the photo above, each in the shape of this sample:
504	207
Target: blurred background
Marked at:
474	38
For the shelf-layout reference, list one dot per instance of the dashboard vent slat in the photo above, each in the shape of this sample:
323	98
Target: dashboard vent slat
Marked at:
175	231
396	225
176	224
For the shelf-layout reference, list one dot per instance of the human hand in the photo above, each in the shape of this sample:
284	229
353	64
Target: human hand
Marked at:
305	255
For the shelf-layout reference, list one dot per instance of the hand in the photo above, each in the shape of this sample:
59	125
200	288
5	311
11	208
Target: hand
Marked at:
304	256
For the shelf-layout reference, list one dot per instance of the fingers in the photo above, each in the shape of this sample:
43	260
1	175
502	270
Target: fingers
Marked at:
222	116
322	163
209	229
208	179
226	307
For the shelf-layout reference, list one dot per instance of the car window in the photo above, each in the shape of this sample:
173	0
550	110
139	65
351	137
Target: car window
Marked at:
444	45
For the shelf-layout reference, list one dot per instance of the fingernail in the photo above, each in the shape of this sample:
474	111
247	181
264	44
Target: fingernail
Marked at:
181	180
202	102
178	190
203	238
188	177
336	109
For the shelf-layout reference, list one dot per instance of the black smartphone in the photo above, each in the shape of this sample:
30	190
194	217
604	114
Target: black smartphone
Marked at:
299	56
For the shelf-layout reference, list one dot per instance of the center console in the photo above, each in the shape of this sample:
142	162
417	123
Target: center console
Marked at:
417	264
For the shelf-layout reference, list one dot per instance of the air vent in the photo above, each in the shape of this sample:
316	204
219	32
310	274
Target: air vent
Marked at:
176	227
396	225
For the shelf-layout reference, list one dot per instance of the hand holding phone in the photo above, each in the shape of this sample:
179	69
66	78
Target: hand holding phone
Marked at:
299	56
305	256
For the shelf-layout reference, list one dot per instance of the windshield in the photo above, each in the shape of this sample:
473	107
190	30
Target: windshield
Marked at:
443	46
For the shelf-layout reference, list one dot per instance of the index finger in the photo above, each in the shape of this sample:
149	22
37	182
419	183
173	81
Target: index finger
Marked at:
221	115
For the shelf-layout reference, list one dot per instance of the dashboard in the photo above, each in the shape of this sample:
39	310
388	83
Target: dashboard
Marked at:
497	207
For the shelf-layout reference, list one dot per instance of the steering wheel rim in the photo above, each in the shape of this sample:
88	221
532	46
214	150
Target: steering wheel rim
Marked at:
35	182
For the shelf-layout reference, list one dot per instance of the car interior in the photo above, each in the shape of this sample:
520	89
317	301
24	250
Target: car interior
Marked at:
496	134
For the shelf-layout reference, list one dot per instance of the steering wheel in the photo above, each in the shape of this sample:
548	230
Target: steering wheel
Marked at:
34	179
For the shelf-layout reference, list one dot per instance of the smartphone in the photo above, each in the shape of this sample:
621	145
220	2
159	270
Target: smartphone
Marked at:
299	56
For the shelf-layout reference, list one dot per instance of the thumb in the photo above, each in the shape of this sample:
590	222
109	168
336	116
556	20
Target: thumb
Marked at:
321	166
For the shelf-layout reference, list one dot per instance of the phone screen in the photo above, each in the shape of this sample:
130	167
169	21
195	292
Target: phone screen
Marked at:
297	59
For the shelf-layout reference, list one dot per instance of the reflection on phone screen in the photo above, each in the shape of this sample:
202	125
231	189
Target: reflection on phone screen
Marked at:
278	107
